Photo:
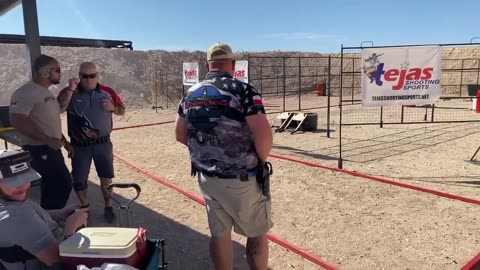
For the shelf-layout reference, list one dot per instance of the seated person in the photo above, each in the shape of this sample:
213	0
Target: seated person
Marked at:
30	235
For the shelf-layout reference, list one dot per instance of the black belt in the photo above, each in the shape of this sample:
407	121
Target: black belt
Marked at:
242	177
91	141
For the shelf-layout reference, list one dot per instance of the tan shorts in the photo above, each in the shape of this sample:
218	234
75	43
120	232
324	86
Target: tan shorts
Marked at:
238	204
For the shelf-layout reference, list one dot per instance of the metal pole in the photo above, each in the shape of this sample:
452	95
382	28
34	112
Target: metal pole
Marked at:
168	89
340	159
32	35
157	84
261	78
248	70
183	86
329	95
166	86
478	71
461	79
381	117
353	79
276	77
433	111
284	84
403	109
299	84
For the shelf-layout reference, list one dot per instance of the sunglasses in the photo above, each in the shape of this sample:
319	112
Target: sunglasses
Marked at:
91	76
57	70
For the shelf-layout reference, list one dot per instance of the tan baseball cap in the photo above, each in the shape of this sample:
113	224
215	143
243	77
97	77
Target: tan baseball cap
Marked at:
219	51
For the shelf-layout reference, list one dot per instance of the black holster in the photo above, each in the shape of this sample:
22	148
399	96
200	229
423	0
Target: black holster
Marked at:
193	170
264	170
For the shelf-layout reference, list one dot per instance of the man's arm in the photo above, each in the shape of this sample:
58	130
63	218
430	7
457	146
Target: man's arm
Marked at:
76	220
65	96
26	229
55	214
257	122
50	256
27	127
118	106
68	146
64	139
262	134
181	130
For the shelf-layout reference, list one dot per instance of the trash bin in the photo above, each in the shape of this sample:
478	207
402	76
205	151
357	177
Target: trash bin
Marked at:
311	122
472	89
320	89
473	92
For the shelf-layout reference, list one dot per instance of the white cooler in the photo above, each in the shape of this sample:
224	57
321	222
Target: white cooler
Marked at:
93	247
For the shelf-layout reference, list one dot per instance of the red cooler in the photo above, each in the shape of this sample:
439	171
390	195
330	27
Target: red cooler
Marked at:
93	247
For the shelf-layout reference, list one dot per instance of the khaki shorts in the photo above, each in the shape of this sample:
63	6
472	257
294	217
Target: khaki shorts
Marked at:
238	204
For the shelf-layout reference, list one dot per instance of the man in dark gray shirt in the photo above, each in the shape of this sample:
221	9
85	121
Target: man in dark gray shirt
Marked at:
90	108
29	235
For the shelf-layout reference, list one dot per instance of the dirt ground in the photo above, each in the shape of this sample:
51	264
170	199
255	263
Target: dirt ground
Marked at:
352	222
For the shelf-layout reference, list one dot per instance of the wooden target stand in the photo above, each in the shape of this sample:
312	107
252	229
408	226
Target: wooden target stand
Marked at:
295	121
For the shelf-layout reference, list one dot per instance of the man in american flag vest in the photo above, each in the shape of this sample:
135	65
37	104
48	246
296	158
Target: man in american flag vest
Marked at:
222	121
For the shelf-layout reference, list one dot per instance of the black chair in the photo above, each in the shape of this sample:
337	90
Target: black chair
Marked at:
14	254
5	119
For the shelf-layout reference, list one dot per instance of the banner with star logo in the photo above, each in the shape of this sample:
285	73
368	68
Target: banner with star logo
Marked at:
401	75
241	70
190	75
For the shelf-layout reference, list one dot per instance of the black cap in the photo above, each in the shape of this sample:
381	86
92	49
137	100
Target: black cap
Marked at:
15	169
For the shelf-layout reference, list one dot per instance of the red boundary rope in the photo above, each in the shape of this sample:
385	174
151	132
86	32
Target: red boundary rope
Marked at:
199	200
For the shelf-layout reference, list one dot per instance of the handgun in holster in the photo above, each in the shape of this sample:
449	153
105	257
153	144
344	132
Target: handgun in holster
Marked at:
264	170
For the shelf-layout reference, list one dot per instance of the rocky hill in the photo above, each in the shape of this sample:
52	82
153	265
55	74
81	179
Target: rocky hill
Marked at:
134	73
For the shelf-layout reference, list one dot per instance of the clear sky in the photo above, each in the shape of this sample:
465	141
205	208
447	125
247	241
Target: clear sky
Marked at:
256	25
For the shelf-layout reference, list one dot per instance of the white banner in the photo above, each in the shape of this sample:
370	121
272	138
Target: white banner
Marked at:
190	73
401	75
241	71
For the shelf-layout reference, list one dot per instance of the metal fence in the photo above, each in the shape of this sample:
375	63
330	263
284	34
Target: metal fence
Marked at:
289	83
460	75
291	79
166	88
297	83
